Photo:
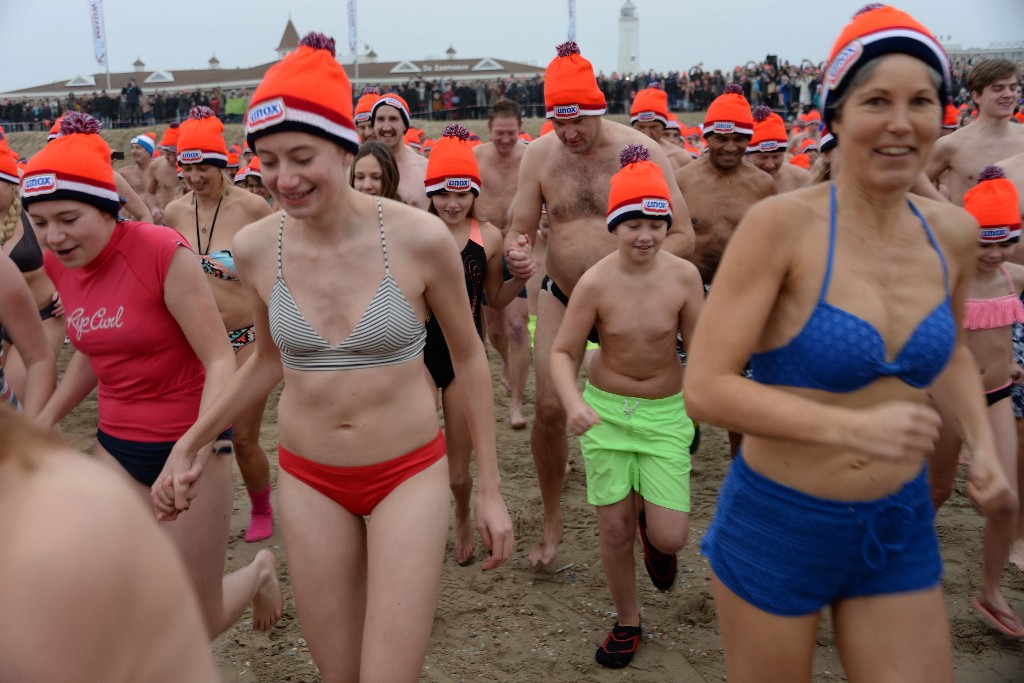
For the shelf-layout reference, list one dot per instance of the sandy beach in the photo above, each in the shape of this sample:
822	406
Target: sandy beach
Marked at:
517	624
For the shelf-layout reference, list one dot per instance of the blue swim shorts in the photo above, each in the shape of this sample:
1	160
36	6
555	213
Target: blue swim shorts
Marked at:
791	554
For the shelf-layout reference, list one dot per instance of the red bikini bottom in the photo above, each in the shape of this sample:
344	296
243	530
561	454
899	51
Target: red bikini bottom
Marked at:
360	489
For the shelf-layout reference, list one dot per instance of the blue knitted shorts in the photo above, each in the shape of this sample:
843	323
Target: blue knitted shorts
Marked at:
790	553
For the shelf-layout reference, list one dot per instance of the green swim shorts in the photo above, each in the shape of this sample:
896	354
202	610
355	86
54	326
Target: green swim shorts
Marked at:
642	445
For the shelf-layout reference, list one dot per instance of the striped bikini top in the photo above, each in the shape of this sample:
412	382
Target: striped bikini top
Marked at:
388	333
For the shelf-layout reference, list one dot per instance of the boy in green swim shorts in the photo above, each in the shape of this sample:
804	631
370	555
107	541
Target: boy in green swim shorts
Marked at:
631	419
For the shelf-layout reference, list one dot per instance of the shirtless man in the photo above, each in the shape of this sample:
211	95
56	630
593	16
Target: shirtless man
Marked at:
993	86
507	328
767	151
142	147
649	115
390	117
162	175
570	172
720	186
673	133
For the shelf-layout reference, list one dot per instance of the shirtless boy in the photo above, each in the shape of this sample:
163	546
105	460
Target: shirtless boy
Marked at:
631	417
570	172
994	87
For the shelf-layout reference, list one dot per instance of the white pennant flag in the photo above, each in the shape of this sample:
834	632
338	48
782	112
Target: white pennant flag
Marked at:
352	39
99	39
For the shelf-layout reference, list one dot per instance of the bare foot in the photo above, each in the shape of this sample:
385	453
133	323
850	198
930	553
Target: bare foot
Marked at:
465	541
1017	554
268	602
543	551
516	419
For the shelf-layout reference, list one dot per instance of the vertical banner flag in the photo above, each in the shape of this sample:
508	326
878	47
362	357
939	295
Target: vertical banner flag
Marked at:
353	39
99	39
572	19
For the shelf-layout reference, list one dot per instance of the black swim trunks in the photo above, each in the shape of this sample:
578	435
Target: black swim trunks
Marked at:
549	286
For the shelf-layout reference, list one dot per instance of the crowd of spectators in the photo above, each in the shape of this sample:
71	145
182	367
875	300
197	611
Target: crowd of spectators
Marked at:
787	87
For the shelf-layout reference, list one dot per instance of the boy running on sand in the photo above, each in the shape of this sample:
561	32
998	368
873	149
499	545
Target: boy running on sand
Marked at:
631	419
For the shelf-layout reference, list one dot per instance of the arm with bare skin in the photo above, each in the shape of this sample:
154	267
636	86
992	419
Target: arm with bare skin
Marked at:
499	293
176	485
134	204
445	293
20	318
525	214
568	348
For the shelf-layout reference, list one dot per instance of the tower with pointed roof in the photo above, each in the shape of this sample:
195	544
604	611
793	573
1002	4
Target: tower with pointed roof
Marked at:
289	40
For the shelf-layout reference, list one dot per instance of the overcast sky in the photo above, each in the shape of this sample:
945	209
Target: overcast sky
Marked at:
43	42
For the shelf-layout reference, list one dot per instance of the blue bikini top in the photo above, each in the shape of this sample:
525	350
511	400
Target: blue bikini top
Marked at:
840	352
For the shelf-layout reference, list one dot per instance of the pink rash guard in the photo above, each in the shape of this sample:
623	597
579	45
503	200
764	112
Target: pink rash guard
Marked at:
150	379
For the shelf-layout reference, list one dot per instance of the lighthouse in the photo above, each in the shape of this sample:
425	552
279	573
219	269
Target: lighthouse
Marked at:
629	39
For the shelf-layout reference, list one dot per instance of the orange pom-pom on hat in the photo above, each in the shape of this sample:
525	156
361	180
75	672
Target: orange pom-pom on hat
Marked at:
306	92
769	132
391	99
365	104
638	190
729	113
452	166
201	140
570	88
994	204
75	165
650	104
801	160
878	30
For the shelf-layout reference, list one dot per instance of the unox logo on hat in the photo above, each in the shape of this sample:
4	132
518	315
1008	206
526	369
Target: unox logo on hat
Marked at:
994	234
846	58
190	156
44	183
655	206
363	117
567	111
723	127
457	184
266	114
768	146
645	116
